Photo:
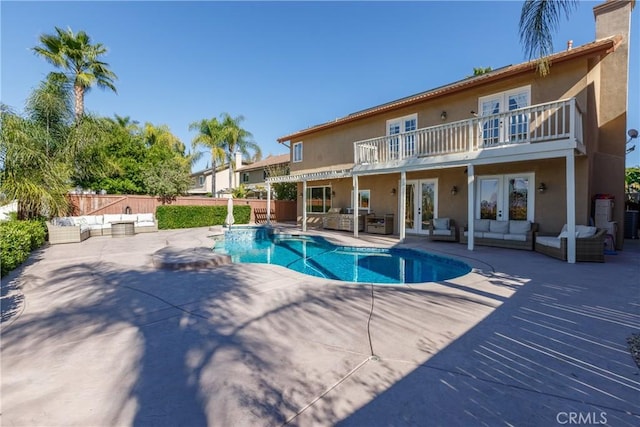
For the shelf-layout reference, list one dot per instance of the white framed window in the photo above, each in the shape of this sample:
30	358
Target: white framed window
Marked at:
402	145
318	199
245	177
297	152
364	200
201	180
501	128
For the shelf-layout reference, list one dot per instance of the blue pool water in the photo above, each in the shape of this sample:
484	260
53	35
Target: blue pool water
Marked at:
317	257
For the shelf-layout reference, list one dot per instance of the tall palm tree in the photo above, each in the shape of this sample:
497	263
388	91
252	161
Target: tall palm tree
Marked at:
538	19
211	136
79	60
237	139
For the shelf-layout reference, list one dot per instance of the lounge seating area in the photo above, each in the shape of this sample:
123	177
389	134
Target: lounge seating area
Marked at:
589	244
443	229
512	234
75	229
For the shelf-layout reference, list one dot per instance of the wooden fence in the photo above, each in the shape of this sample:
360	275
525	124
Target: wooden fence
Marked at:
96	204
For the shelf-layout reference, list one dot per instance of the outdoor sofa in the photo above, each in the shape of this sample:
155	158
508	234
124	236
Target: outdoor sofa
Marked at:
78	228
589	244
443	229
512	234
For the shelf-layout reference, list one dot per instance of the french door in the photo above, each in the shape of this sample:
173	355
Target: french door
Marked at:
504	128
421	205
505	197
401	146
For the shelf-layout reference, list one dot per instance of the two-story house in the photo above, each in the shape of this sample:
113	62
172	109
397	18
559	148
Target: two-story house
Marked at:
254	176
202	182
508	144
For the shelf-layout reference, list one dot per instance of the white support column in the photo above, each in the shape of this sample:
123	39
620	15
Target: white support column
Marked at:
304	205
403	206
354	203
471	202
571	207
268	203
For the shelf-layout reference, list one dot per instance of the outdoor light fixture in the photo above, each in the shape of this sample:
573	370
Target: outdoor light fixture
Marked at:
443	115
454	190
393	191
333	193
542	188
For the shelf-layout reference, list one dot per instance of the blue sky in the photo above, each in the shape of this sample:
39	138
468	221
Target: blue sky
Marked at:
284	66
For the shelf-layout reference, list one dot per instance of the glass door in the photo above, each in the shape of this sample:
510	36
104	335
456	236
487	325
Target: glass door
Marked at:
421	205
505	197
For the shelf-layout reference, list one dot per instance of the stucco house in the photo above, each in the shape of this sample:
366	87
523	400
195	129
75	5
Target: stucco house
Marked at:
508	144
254	176
203	184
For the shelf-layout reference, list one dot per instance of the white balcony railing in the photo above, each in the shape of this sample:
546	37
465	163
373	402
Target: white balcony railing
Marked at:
548	122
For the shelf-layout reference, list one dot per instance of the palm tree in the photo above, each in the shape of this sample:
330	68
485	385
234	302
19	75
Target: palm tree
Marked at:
33	153
79	60
210	135
237	139
538	19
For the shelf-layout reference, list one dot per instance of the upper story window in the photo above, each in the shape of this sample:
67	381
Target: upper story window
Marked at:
201	180
297	152
503	126
404	127
245	177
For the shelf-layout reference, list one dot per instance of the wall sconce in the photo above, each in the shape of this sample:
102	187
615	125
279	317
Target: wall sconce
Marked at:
333	193
393	191
454	190
542	188
443	115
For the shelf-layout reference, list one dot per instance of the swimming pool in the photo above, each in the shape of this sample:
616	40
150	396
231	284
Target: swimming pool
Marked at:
316	256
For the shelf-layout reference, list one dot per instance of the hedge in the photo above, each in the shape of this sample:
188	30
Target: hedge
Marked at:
17	240
170	217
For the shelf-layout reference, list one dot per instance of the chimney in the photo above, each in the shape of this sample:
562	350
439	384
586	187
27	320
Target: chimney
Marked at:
238	159
570	45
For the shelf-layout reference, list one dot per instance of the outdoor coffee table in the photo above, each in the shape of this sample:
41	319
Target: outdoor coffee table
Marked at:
123	228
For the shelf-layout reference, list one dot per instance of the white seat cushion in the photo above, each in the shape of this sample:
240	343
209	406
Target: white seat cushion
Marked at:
128	217
109	218
550	241
441	223
492	235
519	227
499	226
145	217
585	231
442	232
481	224
145	224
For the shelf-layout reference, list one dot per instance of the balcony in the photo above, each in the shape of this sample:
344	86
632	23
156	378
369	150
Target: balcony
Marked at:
553	122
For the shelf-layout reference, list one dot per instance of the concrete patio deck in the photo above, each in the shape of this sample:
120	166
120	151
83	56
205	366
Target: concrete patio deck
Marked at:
94	335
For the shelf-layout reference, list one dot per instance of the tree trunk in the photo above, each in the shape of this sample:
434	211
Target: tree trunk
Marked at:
78	92
213	175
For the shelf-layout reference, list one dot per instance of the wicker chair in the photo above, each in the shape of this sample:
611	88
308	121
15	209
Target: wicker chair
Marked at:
588	249
443	234
67	233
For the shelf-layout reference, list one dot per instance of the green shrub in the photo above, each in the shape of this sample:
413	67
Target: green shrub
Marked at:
170	217
17	240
